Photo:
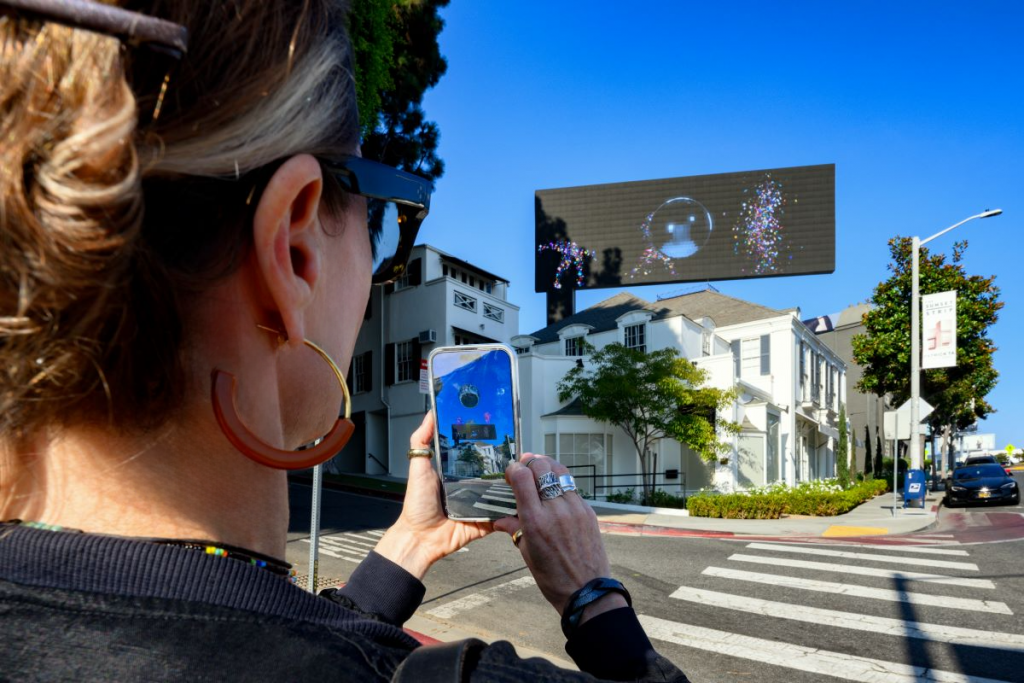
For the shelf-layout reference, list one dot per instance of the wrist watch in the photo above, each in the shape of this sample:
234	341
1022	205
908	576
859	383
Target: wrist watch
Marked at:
593	590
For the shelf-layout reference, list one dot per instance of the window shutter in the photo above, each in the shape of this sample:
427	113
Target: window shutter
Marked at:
389	364
415	270
368	370
736	356
766	354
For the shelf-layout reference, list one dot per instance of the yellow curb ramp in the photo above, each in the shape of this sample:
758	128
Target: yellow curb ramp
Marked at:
836	531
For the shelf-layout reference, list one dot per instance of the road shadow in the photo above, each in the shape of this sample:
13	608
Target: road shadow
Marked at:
339	512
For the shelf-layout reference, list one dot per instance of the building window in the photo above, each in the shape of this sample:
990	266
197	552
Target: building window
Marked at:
465	278
444	269
636	337
494	313
705	343
489	288
361	365
465	301
574	346
521	350
406	367
403	281
588	457
750	361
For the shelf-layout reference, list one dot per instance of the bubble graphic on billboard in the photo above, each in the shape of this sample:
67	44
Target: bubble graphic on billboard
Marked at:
675	230
690	229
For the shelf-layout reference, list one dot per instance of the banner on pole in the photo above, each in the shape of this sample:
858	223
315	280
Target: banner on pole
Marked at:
938	323
424	380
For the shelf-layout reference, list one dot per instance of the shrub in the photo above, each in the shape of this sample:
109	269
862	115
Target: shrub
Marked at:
818	498
624	496
493	475
664	499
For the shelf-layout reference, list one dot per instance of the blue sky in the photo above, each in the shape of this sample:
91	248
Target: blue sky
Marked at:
918	104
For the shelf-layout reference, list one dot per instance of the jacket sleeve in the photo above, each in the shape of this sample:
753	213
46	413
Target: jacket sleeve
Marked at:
380	589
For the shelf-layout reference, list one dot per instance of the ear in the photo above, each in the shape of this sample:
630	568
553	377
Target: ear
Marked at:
286	241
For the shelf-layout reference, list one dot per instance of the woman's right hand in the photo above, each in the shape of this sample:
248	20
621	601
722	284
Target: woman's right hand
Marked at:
561	540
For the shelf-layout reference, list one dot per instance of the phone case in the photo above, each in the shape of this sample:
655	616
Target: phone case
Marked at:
517	420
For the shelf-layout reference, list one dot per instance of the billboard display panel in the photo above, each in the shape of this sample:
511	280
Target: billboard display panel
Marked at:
725	226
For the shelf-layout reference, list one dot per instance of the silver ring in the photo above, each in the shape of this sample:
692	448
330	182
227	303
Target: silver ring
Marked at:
550	492
546	479
567	482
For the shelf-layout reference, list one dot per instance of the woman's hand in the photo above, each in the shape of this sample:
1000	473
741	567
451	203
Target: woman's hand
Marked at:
561	541
423	534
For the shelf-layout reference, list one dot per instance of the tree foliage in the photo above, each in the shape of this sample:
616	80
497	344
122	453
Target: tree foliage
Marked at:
957	393
651	396
843	451
397	59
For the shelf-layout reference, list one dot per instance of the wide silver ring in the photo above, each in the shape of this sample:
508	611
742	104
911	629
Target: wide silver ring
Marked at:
567	482
550	492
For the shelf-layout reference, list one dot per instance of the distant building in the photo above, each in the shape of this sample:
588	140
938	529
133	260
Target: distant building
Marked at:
790	383
441	300
863	410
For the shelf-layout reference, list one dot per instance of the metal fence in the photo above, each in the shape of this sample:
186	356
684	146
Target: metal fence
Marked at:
593	489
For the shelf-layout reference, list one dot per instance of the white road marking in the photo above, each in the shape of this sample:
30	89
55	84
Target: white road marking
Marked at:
376	532
495	508
472	600
864	571
858	622
333	544
330	552
985	606
929	550
357	540
916	561
503	499
822	662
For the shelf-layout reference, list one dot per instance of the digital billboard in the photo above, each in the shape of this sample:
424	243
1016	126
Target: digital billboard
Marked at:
713	227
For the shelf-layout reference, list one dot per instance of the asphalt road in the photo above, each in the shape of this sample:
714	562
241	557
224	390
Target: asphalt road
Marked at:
727	610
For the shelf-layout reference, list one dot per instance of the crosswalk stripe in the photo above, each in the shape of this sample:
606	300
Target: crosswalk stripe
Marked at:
852	590
858	622
902	548
502	499
356	540
917	561
812	660
863	571
935	536
495	508
337	545
449	610
332	553
376	532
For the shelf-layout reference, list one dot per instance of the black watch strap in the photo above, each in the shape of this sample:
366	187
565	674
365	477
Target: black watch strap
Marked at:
593	590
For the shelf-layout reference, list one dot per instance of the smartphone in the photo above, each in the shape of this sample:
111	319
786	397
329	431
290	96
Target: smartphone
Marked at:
474	392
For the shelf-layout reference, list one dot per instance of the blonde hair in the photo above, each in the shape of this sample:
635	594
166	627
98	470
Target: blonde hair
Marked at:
96	141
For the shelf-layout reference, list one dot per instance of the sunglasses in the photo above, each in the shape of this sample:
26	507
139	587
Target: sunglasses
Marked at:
397	202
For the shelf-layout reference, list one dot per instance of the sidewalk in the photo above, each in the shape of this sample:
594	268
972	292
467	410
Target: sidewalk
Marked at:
873	518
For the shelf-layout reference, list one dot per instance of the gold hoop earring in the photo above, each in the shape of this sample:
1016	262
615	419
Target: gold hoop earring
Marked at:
254	448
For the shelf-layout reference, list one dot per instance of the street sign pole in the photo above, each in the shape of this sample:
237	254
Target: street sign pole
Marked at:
895	466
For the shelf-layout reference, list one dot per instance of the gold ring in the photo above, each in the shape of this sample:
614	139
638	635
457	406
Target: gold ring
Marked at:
421	453
517	536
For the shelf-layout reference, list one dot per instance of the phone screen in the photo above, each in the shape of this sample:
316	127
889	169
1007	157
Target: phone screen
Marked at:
476	429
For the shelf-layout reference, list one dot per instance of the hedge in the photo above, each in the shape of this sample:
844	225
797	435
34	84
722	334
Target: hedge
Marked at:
818	498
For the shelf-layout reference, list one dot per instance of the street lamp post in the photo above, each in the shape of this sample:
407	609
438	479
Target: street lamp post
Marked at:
916	462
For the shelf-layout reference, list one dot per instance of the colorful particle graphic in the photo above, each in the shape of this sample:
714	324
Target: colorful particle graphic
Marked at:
677	229
758	234
573	258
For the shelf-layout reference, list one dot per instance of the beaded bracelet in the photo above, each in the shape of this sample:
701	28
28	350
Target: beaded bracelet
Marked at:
593	590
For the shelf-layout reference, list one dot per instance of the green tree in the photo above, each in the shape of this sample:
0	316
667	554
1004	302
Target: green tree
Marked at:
843	451
397	59
868	469
957	393
651	396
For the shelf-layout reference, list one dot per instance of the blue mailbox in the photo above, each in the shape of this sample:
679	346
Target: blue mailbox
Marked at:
914	488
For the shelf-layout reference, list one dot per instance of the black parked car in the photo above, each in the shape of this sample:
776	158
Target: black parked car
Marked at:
981	484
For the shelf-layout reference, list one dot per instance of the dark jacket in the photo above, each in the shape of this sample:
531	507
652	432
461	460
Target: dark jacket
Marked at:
88	607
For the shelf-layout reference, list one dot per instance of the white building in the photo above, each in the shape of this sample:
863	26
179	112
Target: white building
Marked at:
790	381
441	300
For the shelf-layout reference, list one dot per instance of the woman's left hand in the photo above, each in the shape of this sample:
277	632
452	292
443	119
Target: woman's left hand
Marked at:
423	534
